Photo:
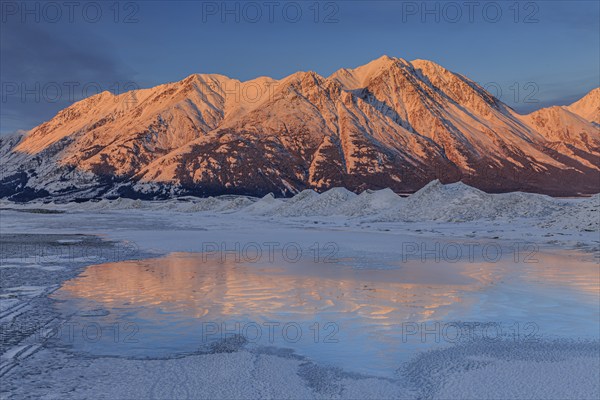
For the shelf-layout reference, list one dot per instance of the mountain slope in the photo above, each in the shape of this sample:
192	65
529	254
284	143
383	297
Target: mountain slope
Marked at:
389	123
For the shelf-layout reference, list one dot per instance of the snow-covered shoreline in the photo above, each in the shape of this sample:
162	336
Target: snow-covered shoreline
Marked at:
455	210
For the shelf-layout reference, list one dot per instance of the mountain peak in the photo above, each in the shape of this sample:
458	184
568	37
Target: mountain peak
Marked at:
384	59
303	76
588	107
381	62
359	77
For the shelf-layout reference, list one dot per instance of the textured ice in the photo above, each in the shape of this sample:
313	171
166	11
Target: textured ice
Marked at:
558	369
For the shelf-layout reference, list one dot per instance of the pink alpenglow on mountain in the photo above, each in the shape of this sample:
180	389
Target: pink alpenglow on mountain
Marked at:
588	107
388	124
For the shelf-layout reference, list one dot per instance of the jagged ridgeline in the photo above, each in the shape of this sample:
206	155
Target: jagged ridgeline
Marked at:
388	124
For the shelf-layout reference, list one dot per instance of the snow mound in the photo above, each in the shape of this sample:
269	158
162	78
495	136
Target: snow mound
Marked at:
458	202
310	203
263	206
291	206
371	202
235	203
436	201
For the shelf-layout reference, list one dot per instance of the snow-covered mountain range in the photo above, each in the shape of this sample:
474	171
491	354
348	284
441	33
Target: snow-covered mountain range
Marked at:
390	123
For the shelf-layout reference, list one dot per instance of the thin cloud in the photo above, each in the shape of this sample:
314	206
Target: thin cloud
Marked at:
44	69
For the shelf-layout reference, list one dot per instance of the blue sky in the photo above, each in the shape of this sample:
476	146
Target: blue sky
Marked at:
529	53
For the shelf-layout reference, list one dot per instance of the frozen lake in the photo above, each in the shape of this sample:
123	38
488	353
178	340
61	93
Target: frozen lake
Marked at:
152	328
363	316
